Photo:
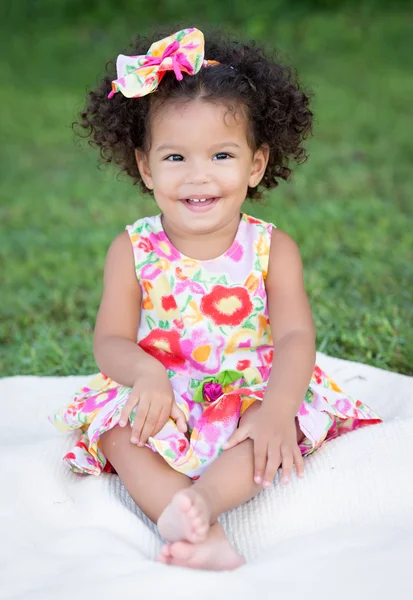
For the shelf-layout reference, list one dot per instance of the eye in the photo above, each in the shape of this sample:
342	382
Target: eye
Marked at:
222	156
174	158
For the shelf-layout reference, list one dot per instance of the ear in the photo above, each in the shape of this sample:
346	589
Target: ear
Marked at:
259	164
143	166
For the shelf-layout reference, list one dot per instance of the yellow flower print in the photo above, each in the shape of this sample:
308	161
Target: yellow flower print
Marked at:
251	283
248	338
263	252
264	329
188	268
195	316
146	301
163	300
333	385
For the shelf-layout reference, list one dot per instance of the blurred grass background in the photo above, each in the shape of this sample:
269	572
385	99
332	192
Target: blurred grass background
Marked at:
349	207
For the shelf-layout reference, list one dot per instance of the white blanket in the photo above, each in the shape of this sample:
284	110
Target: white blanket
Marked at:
344	531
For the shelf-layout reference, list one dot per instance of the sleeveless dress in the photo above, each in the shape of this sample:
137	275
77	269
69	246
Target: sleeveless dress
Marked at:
207	323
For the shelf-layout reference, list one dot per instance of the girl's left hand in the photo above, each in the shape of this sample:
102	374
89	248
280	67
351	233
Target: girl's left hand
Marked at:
275	444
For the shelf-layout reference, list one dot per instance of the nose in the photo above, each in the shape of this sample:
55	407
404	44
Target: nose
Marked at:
199	173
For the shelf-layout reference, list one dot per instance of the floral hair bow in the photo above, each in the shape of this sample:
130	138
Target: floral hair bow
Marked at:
182	52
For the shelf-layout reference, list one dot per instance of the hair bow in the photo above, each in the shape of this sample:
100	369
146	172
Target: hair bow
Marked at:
182	52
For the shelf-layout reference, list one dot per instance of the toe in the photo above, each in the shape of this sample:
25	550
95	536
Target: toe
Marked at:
184	501
181	551
193	515
165	553
162	559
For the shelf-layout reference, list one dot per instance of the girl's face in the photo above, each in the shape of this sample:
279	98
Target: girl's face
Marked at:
199	165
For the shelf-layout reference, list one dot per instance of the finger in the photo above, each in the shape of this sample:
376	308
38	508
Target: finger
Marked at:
140	416
287	464
260	460
299	462
162	419
149	425
273	462
131	402
240	434
179	417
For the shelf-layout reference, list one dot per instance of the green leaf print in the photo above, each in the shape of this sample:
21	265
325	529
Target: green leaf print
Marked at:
130	69
170	453
164	324
181	35
170	373
248	324
197	63
150	322
257	265
150	258
258	304
308	396
197	276
222	280
188	300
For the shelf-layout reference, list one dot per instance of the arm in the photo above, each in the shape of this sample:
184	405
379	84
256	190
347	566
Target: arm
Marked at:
114	342
292	329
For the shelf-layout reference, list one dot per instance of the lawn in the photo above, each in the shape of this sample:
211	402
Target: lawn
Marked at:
349	207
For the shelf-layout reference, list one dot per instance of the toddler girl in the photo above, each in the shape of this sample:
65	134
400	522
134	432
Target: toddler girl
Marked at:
204	335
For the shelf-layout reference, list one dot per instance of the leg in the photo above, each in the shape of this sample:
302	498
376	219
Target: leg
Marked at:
150	481
227	483
153	485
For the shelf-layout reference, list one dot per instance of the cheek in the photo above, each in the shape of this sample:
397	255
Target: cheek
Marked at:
235	178
164	176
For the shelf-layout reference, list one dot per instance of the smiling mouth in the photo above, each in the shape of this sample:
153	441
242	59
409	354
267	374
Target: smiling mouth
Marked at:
201	201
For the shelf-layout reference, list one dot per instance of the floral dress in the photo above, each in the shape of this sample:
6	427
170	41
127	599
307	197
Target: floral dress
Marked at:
207	323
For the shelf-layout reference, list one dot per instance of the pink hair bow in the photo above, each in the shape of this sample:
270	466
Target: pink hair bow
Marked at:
182	52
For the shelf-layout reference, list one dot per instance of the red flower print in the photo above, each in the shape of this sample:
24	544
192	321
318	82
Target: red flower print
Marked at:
252	220
195	477
145	244
70	455
227	306
165	347
182	446
168	302
223	411
317	374
179	324
243	364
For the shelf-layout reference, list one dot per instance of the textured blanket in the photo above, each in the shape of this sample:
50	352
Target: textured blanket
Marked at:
344	531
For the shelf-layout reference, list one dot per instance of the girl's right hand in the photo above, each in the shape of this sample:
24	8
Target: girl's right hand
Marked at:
153	395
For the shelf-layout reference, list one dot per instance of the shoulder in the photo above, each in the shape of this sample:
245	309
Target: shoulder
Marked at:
285	262
120	263
120	247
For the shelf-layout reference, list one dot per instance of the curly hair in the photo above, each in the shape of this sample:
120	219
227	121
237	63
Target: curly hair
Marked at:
267	92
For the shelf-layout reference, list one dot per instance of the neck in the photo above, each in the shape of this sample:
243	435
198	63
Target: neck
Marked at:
203	245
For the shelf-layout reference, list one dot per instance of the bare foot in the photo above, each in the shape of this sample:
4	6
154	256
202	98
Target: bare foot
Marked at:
214	554
186	518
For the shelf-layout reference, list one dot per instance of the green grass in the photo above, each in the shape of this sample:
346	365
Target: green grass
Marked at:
349	207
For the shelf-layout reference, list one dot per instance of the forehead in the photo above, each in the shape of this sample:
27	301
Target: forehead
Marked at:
199	122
